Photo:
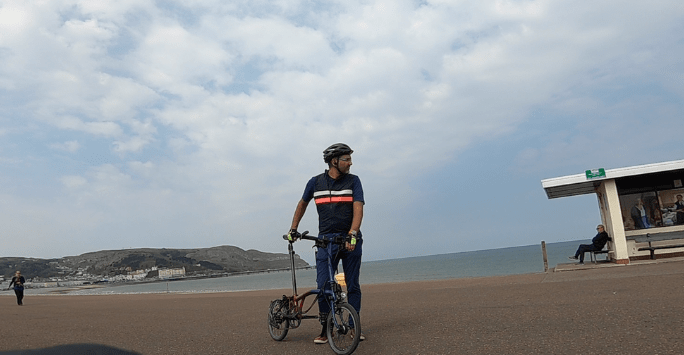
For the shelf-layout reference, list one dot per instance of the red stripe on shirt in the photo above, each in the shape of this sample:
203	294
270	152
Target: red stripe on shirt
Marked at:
334	199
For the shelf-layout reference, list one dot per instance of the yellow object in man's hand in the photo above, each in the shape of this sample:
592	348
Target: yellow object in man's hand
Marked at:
340	279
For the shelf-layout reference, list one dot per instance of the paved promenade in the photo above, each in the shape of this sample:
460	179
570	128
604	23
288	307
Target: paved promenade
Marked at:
633	309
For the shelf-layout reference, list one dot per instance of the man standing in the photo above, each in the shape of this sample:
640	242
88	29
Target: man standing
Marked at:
339	201
597	243
639	215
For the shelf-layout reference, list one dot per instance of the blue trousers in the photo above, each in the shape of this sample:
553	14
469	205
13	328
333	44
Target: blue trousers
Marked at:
351	262
583	248
20	295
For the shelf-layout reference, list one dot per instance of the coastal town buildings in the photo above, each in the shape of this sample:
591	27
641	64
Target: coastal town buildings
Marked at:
171	273
83	278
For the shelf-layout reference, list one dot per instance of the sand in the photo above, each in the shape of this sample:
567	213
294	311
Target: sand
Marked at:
633	309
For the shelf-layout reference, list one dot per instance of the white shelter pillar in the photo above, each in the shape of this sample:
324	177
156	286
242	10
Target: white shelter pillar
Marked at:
609	203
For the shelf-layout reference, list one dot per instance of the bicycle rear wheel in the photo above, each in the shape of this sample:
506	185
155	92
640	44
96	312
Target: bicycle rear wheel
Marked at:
277	324
343	329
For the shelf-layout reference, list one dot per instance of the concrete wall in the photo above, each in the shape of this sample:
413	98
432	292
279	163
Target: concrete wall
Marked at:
633	246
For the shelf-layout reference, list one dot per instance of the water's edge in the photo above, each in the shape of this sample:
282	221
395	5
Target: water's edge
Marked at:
482	263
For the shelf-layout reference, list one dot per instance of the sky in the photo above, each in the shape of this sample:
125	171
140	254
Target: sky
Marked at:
193	124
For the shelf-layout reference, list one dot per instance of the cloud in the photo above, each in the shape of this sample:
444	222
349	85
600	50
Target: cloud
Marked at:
96	128
73	181
70	146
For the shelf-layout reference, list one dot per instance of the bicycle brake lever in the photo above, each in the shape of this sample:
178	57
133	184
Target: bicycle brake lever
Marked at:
321	243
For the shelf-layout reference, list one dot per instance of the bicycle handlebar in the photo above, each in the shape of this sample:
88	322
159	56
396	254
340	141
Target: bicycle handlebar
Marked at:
301	236
339	239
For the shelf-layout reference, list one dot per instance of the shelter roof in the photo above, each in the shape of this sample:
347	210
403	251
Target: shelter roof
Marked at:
579	184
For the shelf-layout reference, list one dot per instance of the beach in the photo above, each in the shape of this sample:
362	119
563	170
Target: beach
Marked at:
632	309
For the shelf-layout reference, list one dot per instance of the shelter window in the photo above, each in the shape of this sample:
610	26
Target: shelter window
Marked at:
651	200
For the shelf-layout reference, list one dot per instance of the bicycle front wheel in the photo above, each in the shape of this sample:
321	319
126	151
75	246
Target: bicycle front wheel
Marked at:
277	324
343	329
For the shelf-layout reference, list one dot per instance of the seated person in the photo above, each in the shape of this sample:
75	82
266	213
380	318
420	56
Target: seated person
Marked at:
597	243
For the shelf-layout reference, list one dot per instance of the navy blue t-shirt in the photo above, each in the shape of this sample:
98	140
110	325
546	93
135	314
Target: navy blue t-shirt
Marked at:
334	201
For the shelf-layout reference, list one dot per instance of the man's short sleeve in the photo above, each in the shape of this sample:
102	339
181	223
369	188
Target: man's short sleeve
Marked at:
309	190
357	190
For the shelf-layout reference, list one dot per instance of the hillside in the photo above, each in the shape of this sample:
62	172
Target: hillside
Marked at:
216	260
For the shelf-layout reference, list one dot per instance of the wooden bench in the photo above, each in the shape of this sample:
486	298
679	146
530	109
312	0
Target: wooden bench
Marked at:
659	237
592	254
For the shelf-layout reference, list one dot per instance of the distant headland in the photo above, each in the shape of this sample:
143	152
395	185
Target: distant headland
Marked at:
144	264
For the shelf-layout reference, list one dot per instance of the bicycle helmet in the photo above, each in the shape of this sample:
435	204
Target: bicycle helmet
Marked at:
336	150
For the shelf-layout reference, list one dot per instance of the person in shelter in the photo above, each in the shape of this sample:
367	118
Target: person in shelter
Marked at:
679	208
597	243
639	215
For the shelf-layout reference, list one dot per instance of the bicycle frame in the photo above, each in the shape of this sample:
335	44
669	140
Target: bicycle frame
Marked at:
340	323
332	295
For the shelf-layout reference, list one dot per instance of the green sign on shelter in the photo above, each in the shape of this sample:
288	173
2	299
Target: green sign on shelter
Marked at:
595	173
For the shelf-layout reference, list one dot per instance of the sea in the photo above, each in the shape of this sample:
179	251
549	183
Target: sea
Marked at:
482	263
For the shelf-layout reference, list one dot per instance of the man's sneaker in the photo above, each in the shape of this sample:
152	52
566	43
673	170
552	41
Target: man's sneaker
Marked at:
572	257
321	340
361	337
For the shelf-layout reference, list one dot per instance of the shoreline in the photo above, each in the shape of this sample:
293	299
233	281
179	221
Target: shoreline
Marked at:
116	283
67	290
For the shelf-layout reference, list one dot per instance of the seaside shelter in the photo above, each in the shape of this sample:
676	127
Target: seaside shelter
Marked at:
642	207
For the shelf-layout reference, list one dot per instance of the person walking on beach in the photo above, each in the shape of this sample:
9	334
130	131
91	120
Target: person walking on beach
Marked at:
18	282
597	243
338	196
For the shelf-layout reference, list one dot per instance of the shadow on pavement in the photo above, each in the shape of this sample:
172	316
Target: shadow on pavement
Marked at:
73	349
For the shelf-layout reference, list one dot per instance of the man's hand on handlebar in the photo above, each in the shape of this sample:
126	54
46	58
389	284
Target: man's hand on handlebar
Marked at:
293	235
